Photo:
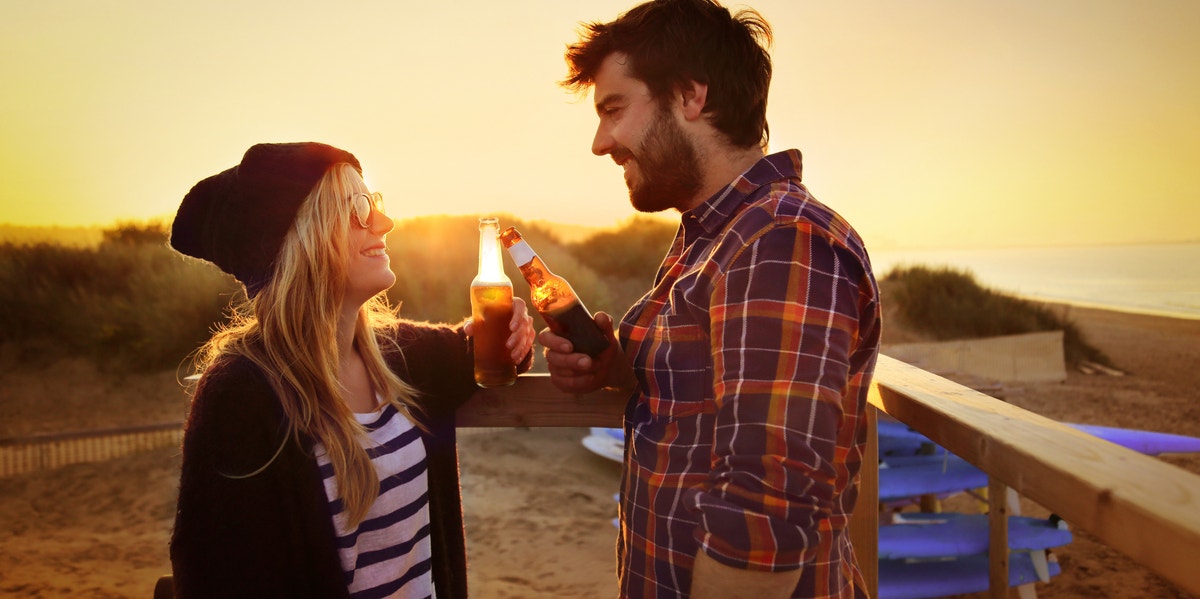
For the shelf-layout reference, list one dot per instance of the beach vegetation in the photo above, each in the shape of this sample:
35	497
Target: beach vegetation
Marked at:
945	304
626	258
131	303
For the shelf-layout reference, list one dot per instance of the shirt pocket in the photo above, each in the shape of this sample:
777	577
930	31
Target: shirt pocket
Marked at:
679	368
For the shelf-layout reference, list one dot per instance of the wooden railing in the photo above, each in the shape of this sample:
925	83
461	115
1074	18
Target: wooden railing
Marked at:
1139	505
40	452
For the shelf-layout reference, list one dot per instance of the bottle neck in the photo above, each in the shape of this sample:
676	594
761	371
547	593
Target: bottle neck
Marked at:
491	264
521	253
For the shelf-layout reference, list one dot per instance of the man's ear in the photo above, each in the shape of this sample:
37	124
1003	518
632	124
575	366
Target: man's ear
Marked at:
693	95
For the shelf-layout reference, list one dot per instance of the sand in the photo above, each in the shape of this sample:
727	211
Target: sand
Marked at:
538	504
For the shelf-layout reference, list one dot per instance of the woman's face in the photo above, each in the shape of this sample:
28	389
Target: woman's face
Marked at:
369	271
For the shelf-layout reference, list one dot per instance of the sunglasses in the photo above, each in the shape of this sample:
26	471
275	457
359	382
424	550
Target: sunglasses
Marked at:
362	203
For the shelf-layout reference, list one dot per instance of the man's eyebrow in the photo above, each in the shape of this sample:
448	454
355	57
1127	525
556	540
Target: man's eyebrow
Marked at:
608	99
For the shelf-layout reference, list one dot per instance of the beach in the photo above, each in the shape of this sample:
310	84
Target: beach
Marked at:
538	504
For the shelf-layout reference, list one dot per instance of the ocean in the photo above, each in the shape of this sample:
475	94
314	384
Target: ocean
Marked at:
1159	279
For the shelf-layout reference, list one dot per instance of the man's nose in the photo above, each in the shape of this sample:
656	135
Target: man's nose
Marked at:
602	143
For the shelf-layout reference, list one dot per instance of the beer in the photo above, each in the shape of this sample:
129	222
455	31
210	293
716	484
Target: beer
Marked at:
491	311
554	299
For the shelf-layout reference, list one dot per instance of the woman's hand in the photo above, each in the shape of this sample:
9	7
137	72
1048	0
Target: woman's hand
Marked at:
520	342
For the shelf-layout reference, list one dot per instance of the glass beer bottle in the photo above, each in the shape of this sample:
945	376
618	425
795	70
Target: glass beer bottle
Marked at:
491	311
554	299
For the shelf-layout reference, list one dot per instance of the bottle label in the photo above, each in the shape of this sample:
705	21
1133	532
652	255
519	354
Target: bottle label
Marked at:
521	253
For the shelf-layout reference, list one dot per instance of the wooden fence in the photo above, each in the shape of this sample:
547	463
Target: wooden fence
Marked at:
1139	505
39	452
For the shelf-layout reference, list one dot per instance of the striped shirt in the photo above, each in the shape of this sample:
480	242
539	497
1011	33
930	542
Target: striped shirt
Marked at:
388	553
753	352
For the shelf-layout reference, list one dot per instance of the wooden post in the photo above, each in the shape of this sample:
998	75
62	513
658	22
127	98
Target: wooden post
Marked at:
864	521
997	539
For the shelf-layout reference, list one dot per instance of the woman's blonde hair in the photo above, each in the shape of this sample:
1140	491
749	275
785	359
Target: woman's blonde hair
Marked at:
290	332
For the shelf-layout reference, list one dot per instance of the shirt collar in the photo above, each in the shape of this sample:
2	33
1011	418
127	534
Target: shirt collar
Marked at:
714	212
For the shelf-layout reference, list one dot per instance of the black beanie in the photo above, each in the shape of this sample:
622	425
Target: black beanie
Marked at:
237	219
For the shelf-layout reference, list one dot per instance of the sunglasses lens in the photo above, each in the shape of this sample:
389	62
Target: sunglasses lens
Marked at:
362	210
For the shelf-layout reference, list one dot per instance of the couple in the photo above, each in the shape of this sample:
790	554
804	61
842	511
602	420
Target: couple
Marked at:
319	455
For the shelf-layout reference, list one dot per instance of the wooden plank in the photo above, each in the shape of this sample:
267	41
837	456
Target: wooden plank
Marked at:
1137	504
997	539
534	401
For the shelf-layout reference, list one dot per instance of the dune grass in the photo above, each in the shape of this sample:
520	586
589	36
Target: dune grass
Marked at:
130	303
946	304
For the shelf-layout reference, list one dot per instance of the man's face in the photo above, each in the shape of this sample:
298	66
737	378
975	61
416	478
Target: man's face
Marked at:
643	136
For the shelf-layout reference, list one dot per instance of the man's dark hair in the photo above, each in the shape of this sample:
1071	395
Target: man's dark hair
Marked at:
673	42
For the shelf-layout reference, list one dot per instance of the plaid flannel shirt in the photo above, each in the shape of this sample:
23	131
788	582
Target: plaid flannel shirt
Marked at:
753	352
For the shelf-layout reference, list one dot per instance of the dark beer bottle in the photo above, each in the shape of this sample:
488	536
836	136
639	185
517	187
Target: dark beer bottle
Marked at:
554	299
492	310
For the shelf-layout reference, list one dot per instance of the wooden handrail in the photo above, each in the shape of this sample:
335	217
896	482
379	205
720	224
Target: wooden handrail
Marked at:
1144	507
1139	505
534	401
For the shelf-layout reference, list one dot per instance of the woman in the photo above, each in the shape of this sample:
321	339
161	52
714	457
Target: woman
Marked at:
319	456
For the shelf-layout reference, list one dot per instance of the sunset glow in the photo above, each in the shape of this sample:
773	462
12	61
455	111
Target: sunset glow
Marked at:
935	124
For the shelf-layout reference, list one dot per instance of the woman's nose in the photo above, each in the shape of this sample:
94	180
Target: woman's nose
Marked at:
381	222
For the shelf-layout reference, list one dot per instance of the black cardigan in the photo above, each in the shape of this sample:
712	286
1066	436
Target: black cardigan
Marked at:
270	534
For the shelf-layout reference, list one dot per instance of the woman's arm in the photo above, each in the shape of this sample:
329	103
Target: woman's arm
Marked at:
438	359
249	519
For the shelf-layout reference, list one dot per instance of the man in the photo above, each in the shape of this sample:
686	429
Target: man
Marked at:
748	361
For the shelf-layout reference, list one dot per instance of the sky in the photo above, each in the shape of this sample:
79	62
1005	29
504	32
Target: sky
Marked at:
941	123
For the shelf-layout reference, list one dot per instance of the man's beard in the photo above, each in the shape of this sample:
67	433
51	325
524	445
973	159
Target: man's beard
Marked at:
669	168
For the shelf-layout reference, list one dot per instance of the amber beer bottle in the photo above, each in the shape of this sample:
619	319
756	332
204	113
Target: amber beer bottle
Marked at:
554	299
492	310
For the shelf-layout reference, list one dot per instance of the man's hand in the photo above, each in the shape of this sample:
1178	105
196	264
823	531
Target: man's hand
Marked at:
578	373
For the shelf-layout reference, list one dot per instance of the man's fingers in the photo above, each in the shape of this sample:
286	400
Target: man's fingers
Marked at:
568	363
